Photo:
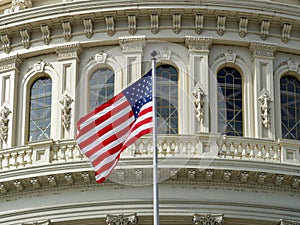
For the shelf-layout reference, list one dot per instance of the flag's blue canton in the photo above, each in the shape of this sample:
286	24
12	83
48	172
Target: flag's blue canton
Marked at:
139	93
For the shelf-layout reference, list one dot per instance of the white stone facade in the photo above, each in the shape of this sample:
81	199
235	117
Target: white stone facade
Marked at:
205	177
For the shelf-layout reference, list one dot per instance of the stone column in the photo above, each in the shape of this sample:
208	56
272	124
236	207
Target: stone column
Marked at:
199	82
132	47
68	57
264	113
8	102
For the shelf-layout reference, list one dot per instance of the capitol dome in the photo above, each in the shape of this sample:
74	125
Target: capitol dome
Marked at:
228	111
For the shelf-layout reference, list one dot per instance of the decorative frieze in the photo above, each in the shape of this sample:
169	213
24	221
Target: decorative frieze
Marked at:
110	25
295	182
66	52
288	222
132	24
262	49
154	19
17	5
4	113
18	185
3	189
121	219
5	39
208	219
209	174
88	27
261	178
191	174
197	44
243	26
226	175
45	29
69	178
221	21
52	181
176	23
199	96
199	23
285	32
265	106
42	222
138	174
132	43
244	176
25	38
264	29
10	63
66	111
278	179
66	26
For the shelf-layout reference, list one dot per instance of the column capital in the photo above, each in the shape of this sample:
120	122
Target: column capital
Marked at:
132	44
263	50
70	51
198	44
10	63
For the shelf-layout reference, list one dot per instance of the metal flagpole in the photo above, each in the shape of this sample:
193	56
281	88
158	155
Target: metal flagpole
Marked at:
155	167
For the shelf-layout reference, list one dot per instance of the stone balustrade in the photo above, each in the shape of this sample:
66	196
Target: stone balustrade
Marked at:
196	146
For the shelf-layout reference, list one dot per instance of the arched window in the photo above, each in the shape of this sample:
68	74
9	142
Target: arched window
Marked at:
101	87
40	109
230	102
290	107
167	99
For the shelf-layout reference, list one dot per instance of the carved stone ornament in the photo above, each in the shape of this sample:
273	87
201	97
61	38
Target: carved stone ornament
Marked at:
88	27
17	5
71	51
230	56
176	23
66	111
121	219
39	66
221	25
199	23
265	101
100	57
5	39
263	50
197	44
199	96
288	222
292	64
25	35
154	23
4	113
243	26
132	43
44	222
10	63
208	219
285	32
45	29
165	53
264	29
66	25
110	25
132	24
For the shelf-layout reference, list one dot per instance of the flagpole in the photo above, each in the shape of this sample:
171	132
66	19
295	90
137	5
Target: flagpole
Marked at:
155	160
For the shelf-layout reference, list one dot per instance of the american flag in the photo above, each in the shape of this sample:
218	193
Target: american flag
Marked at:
105	132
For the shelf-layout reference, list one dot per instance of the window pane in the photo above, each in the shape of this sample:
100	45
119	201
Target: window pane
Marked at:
40	109
101	87
167	99
230	102
290	98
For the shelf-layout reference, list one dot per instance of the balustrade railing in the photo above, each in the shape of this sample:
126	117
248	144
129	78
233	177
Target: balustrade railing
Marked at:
192	146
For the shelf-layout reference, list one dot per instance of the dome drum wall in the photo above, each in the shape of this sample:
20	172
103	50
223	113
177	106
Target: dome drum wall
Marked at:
205	173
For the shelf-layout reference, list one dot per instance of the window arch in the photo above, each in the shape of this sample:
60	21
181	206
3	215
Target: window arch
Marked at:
290	107
230	102
167	99
40	109
101	87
